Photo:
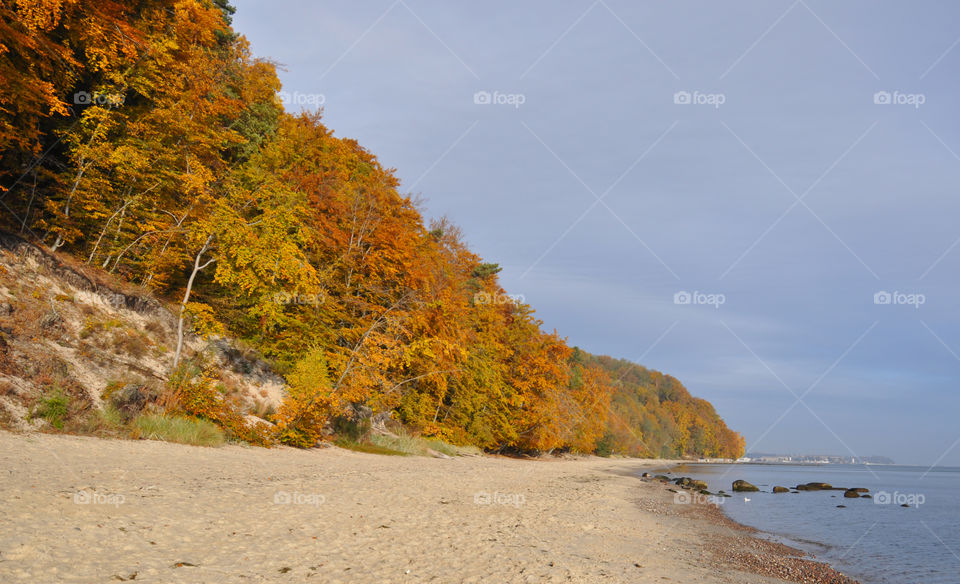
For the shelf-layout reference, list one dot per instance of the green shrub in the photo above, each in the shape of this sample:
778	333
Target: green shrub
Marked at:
179	429
54	408
605	446
354	429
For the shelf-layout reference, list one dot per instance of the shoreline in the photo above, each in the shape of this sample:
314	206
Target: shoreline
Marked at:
745	550
80	509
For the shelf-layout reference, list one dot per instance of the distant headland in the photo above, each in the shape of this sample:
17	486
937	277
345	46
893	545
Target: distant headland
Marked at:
813	459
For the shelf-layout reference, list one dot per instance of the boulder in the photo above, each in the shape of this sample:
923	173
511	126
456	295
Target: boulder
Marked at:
866	496
781	490
851	494
689	483
129	400
645	475
814	487
742	486
860	490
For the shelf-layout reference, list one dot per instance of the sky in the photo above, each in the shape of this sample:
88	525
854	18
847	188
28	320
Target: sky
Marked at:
758	198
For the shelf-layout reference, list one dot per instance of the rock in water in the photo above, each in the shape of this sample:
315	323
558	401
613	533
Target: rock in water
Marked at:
692	483
781	490
815	487
741	486
851	494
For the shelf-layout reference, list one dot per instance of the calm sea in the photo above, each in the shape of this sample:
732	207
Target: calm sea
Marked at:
874	540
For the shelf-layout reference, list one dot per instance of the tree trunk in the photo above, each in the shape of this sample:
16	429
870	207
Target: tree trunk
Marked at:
186	297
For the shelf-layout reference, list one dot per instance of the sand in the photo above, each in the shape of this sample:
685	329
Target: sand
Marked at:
79	509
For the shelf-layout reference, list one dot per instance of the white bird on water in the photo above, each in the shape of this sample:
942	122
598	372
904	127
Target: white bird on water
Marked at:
746	500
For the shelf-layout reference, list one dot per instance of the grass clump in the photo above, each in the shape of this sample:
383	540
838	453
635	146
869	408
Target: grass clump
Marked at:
179	429
403	441
54	408
104	423
441	447
368	447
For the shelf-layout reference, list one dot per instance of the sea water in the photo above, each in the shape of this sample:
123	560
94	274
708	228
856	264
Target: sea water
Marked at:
876	540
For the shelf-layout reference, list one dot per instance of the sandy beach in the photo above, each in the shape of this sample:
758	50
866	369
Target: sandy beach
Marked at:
78	509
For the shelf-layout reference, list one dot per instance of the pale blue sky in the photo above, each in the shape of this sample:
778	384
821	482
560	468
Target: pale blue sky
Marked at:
694	197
